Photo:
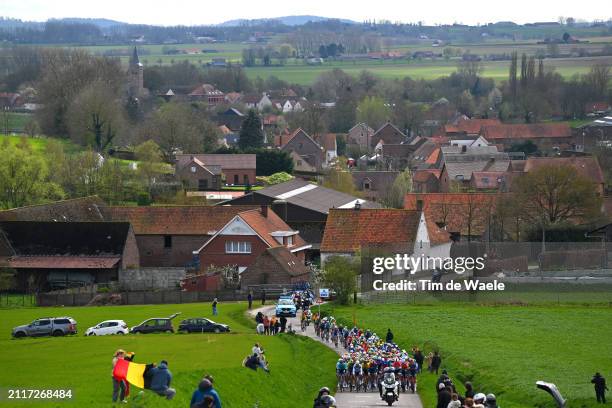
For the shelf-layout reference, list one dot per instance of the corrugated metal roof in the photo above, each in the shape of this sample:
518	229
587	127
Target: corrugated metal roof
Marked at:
63	262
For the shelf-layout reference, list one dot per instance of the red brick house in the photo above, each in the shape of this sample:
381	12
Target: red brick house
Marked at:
246	236
237	169
389	134
196	175
168	236
460	214
207	93
545	135
348	231
586	166
277	266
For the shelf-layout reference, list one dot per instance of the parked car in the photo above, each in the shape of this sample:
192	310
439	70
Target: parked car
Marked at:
201	325
108	327
155	325
47	326
285	307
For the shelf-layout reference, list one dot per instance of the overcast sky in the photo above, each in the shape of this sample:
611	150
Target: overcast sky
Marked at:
197	12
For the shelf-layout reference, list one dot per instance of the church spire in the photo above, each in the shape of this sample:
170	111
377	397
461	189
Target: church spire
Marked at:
134	60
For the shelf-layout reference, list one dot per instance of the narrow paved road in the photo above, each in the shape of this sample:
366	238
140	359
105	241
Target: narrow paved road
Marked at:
346	399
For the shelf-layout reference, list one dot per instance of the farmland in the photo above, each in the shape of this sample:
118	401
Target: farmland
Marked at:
296	71
84	363
502	349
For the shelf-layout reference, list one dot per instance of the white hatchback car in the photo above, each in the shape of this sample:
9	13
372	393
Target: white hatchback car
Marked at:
108	327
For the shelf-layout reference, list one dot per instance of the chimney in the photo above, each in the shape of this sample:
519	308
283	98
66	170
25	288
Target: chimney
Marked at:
357	205
264	210
419	205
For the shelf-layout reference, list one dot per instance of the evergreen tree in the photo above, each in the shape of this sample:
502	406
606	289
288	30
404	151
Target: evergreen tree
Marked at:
251	133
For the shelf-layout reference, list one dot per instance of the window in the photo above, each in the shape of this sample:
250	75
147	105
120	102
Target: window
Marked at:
167	241
299	162
233	247
246	179
193	169
61	321
290	241
366	185
42	323
236	180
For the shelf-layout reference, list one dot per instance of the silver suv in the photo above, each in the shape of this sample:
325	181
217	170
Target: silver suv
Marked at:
47	326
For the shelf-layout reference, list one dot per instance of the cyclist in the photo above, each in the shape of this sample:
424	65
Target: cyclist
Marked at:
341	369
357	374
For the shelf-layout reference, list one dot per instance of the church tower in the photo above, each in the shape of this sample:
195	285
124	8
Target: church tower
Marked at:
135	76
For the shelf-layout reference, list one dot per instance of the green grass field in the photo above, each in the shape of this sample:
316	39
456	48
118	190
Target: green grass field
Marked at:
502	349
296	71
39	144
498	70
84	363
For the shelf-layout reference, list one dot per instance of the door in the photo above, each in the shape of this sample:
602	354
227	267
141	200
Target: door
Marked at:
111	328
41	327
202	184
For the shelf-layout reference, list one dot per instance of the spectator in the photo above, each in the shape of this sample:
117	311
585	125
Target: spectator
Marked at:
444	396
215	302
250	300
419	358
205	390
469	403
266	323
259	317
257	350
455	403
469	390
600	388
118	385
436	361
389	338
429	360
260	328
161	378
283	324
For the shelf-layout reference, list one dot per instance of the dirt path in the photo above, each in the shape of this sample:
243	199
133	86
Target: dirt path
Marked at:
346	399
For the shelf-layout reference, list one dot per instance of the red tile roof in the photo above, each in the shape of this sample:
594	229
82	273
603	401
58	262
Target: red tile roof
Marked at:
264	226
526	131
63	262
587	166
470	127
450	210
176	220
348	230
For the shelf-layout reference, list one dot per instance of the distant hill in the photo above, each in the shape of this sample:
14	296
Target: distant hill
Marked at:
286	20
100	22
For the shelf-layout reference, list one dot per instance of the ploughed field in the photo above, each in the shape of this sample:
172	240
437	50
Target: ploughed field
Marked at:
299	366
503	349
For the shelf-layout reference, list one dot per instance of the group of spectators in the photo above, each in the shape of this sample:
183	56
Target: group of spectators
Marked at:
449	397
158	378
270	325
256	359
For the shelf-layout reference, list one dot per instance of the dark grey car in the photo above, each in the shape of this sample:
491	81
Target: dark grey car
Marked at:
47	326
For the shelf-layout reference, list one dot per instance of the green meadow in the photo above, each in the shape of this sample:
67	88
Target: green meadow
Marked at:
299	366
503	349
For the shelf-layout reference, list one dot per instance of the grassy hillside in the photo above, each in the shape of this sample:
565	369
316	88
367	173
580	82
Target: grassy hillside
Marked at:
84	363
503	349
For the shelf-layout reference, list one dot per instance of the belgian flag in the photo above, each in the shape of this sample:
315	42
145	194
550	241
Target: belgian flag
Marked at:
133	373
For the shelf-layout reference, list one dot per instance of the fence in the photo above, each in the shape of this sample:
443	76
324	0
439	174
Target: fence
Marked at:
135	298
11	300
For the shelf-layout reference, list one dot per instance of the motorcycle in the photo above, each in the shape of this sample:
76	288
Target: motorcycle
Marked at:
390	389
